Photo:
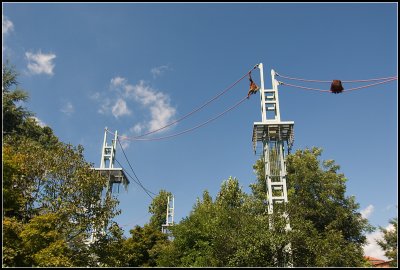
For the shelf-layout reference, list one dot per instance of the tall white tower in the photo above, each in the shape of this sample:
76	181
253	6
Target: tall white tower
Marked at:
169	221
107	169
276	136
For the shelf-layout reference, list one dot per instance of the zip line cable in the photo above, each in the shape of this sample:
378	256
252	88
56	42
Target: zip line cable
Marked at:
198	108
319	81
145	189
185	131
134	180
132	168
351	89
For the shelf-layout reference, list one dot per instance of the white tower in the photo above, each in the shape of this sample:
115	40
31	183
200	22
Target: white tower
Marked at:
275	136
114	175
169	221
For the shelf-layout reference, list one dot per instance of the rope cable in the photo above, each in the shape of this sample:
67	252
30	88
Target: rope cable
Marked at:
348	81
134	180
132	168
184	131
137	181
351	89
198	108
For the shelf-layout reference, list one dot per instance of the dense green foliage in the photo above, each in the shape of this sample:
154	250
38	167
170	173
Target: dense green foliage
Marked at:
158	209
52	202
389	242
326	229
51	194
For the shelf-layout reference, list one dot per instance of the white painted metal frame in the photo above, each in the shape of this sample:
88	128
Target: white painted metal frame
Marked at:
169	221
115	175
273	133
108	152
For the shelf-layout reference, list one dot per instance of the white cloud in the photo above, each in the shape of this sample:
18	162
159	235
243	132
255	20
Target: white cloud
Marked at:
372	248
157	102
142	93
39	122
161	113
118	81
68	108
366	213
158	71
137	129
120	108
8	26
105	106
40	62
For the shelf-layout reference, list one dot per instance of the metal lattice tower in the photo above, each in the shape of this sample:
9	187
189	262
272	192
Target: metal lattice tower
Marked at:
114	175
169	221
276	136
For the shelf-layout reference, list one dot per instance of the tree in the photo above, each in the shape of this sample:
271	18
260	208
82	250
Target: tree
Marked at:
208	237
13	254
43	242
235	229
158	209
326	226
51	196
389	242
39	181
110	249
142	248
17	120
13	115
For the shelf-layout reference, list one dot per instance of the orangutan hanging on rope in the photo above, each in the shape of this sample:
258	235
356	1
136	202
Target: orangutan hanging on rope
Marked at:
336	87
253	87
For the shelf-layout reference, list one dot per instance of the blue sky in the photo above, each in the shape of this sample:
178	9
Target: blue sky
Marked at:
135	67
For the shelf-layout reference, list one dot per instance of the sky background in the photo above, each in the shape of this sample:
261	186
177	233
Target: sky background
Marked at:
135	67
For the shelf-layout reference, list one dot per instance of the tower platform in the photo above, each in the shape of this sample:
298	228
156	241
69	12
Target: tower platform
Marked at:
273	131
115	175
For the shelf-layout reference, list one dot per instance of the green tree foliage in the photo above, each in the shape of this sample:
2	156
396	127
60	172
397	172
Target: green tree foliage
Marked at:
142	248
234	230
13	254
43	242
389	242
13	114
109	250
158	209
211	234
146	243
328	229
51	195
39	181
17	120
